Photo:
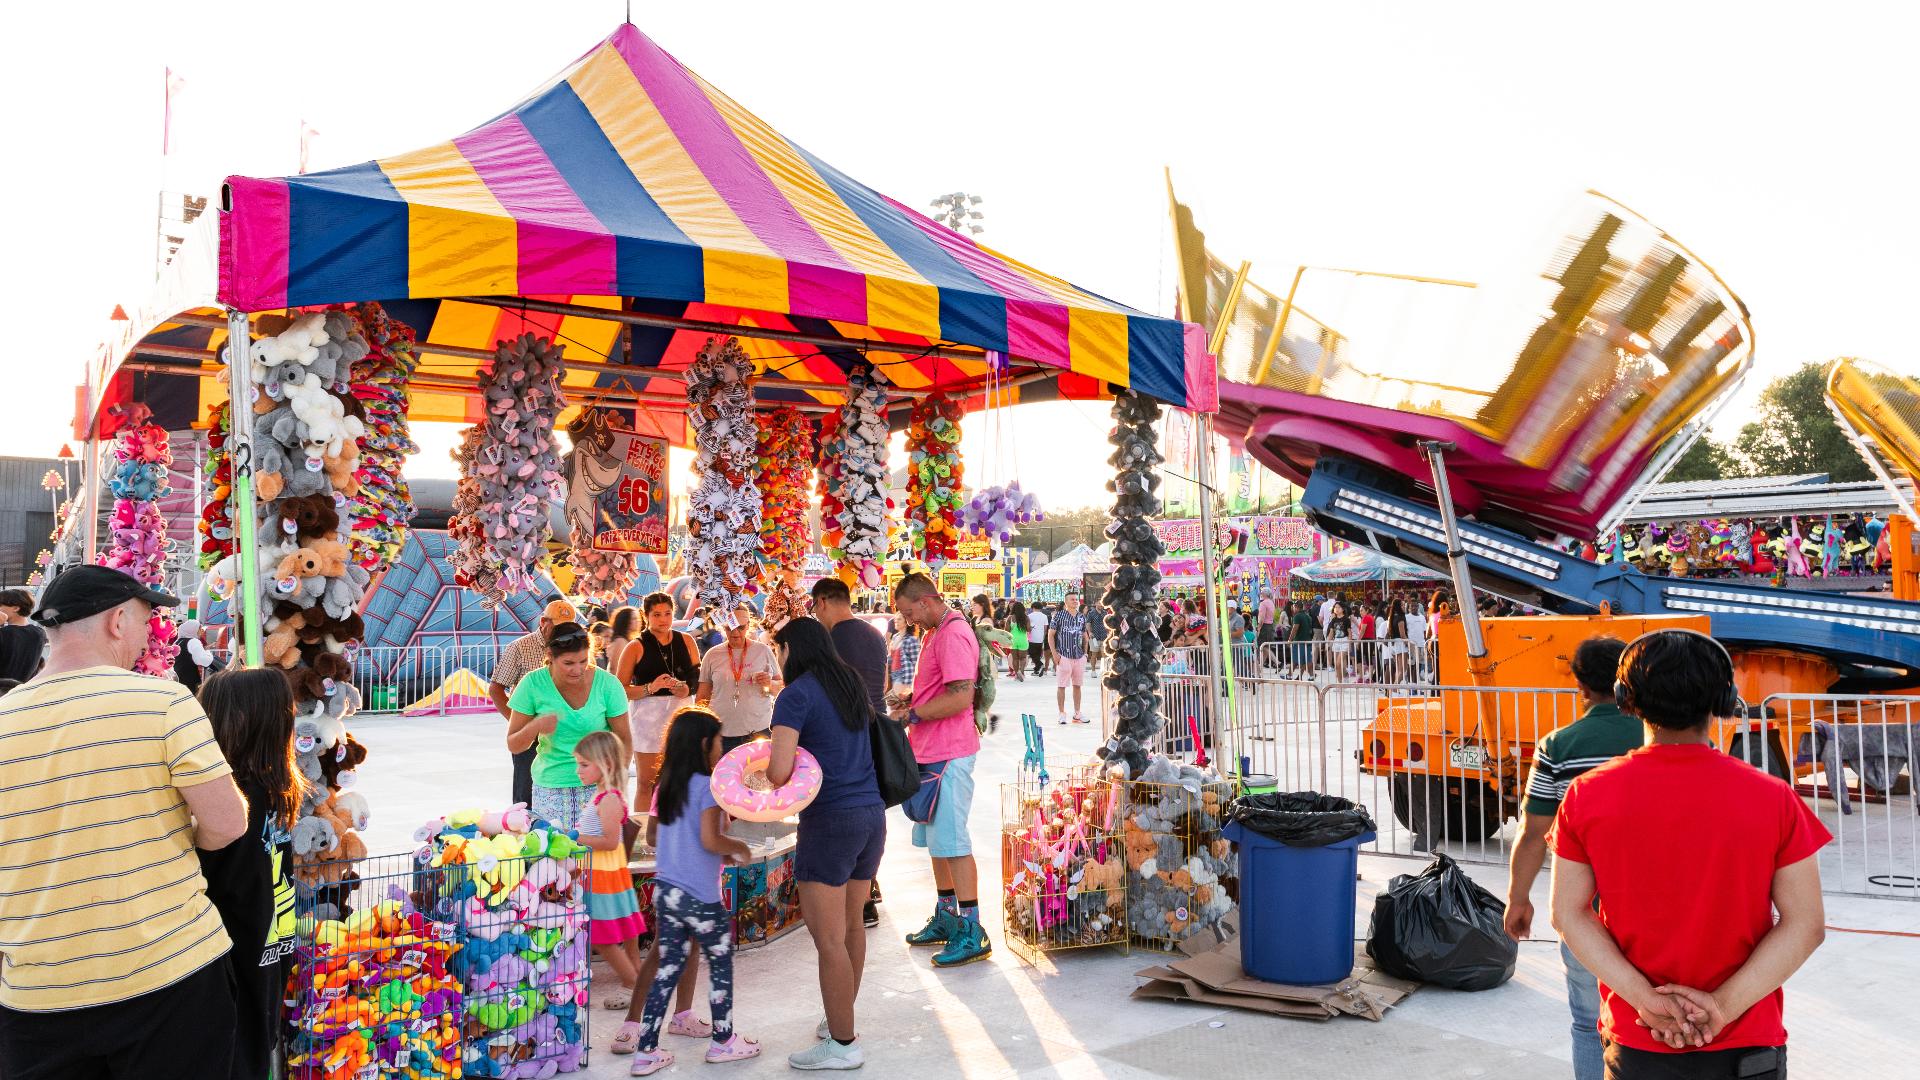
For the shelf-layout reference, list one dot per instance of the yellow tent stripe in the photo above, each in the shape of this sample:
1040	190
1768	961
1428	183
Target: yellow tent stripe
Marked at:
459	237
741	271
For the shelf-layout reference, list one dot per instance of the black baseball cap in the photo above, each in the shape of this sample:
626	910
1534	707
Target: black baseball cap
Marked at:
90	590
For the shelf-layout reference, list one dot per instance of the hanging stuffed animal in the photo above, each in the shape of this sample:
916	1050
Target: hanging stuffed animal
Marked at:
996	512
382	505
510	472
1133	664
785	465
853	480
723	513
934	479
138	544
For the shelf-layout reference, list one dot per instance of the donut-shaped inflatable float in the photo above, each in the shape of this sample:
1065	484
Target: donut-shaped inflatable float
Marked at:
740	783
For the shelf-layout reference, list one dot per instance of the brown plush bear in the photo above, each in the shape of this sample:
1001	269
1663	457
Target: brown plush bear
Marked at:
331	553
350	753
281	646
330	665
341	469
313	516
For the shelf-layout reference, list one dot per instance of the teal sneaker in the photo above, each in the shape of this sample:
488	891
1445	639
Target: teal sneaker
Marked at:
967	944
939	930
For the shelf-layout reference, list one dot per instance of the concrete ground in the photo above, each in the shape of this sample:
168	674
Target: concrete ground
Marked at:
1850	1011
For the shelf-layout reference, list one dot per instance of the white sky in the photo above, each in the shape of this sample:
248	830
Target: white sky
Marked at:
1774	140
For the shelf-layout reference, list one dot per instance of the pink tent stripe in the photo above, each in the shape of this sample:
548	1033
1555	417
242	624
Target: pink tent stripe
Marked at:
563	246
258	241
719	155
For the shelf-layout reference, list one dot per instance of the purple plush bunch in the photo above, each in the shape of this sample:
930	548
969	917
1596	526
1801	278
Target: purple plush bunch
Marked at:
994	512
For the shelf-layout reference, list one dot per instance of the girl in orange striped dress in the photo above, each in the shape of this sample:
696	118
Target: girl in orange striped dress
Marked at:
611	904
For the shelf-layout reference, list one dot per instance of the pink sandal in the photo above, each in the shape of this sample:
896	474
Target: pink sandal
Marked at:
737	1048
690	1026
627	1039
650	1062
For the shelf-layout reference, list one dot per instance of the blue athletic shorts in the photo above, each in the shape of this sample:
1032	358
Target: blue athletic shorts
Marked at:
840	845
946	837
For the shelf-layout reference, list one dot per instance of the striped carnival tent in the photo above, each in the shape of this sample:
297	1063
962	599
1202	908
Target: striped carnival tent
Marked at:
630	210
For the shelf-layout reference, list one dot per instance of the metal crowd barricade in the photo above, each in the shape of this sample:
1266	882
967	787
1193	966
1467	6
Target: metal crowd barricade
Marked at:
1855	759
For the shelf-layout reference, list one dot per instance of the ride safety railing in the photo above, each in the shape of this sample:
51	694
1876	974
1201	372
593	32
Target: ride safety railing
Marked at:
1446	768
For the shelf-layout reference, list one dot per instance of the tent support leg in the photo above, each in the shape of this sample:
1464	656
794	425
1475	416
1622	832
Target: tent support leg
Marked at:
240	508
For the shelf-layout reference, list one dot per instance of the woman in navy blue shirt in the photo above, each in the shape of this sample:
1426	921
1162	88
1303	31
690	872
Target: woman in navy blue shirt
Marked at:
824	709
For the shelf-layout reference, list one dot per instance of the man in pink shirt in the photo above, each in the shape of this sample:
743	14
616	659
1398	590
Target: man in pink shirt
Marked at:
939	718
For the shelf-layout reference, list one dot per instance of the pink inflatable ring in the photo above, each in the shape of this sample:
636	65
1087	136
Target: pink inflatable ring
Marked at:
740	783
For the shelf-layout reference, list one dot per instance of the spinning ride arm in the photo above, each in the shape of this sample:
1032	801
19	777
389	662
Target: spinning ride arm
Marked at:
1366	506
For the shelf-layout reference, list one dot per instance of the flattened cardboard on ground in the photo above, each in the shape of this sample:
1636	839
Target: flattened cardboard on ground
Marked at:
1212	975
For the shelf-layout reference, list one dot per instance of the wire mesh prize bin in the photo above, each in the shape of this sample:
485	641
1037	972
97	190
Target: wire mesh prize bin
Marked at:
1182	875
374	991
1063	869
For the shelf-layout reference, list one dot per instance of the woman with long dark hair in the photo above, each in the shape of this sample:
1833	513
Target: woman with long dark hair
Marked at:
624	624
825	710
252	715
659	671
1019	627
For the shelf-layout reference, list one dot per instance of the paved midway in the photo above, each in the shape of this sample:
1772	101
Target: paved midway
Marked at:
1850	1012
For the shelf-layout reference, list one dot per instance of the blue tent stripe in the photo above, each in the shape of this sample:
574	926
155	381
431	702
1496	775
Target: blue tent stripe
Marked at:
970	310
655	258
349	236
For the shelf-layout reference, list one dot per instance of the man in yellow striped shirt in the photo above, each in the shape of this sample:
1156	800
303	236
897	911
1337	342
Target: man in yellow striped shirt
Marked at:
112	960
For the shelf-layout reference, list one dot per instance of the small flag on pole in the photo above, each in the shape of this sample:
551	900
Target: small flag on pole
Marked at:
307	135
175	84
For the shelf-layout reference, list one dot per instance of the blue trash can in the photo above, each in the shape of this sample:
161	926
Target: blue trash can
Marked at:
1296	907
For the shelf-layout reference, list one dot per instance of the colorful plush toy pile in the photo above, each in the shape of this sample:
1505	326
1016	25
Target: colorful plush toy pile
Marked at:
139	533
935	478
602	577
510	474
305	431
1133	665
853	480
384	505
1065	871
375	995
1182	868
786	474
511	885
723	512
994	512
216	526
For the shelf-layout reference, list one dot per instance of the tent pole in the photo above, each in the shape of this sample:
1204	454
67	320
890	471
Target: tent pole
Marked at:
240	509
1218	676
92	501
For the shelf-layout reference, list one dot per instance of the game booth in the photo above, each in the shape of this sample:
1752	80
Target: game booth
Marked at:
630	255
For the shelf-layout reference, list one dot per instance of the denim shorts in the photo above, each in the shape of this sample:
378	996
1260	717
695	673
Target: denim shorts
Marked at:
946	836
840	845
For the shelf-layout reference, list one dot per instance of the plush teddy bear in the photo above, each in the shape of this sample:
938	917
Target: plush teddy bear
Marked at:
331	553
292	574
340	467
342	595
280	647
335	762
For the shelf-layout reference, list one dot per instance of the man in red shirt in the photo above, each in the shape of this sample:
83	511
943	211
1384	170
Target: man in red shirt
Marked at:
1690	853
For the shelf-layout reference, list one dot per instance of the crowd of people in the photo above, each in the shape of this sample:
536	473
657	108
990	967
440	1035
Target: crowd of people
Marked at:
586	700
186	801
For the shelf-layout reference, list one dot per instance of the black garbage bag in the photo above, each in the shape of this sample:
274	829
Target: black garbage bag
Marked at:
1440	927
1301	818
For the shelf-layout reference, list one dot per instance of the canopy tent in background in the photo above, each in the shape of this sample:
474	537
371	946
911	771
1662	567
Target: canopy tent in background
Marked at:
1070	568
1354	565
630	210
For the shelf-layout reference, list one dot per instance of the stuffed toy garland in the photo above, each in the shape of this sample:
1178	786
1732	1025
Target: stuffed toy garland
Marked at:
853	480
723	513
934	479
384	505
139	533
786	467
1133	664
514	469
216	527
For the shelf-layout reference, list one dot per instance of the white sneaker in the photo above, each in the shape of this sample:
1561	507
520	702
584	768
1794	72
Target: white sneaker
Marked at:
1063	718
827	1054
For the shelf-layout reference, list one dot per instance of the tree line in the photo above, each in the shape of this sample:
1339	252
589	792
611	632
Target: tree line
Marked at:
1792	433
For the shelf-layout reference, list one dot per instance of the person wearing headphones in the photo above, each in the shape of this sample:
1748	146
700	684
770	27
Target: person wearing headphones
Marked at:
1601	734
1690	853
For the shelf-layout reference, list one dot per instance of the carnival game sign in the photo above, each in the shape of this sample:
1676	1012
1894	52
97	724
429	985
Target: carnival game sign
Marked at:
618	492
1281	537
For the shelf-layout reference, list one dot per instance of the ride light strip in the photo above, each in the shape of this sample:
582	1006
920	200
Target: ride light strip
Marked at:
1868	616
1428	526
